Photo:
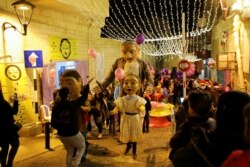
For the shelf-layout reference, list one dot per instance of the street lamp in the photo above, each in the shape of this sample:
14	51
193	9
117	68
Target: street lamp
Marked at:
24	11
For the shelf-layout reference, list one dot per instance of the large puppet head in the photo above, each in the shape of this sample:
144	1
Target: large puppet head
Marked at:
71	79
130	50
131	84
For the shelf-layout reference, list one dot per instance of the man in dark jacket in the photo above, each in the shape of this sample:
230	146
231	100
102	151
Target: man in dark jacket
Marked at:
190	144
9	130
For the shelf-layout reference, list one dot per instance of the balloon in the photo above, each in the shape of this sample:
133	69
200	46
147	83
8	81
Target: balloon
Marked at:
191	70
179	74
139	39
154	104
52	73
92	53
119	73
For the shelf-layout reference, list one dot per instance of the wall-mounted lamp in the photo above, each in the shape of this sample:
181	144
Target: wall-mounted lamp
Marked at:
236	7
24	11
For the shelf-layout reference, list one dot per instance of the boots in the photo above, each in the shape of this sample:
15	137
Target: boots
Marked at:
134	150
128	148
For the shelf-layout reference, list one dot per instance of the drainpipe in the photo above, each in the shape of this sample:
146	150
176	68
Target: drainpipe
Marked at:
236	30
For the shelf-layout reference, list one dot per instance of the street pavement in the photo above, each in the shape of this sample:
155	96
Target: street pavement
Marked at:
152	151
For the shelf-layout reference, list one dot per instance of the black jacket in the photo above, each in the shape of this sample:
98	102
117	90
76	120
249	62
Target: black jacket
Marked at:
195	131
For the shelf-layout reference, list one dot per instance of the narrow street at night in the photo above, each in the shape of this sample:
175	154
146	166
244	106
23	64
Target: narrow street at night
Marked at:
153	151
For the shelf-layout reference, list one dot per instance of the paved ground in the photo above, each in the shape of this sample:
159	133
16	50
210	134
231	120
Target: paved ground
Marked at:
153	151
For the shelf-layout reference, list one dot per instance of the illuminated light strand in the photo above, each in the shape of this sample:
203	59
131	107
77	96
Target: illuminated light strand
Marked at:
122	29
133	16
125	21
114	32
169	47
202	23
210	12
204	14
142	20
118	20
193	26
178	24
148	22
157	22
168	23
215	16
153	19
172	17
188	17
118	28
163	20
208	28
111	34
134	30
194	14
172	42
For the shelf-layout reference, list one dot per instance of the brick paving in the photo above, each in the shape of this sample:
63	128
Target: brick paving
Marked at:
152	151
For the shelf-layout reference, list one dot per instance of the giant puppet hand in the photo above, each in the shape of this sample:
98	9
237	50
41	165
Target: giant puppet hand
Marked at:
97	89
100	89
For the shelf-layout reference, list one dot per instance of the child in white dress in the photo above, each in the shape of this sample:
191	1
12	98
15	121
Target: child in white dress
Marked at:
132	107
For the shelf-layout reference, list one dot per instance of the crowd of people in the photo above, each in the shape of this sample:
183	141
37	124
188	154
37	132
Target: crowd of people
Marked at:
212	124
209	122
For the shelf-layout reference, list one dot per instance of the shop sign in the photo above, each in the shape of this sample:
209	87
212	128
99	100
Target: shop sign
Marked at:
184	65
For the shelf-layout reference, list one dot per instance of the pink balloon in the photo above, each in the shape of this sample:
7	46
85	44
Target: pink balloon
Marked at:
191	70
52	73
92	53
119	73
154	104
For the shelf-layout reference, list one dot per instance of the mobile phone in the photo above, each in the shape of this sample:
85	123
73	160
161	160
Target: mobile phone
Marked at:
182	99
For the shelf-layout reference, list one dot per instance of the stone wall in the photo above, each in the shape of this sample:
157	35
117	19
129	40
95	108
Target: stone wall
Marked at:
228	26
48	22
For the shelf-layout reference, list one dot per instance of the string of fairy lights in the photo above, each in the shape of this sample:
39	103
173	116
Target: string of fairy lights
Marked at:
159	22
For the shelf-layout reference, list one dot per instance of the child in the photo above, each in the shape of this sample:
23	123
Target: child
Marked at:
132	107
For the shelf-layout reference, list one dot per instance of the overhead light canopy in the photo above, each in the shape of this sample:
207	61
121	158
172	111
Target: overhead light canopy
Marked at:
24	11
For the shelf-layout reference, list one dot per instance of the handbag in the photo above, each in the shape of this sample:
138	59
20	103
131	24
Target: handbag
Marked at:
18	125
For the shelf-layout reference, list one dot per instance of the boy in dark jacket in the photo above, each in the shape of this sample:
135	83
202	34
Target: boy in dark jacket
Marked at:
190	144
